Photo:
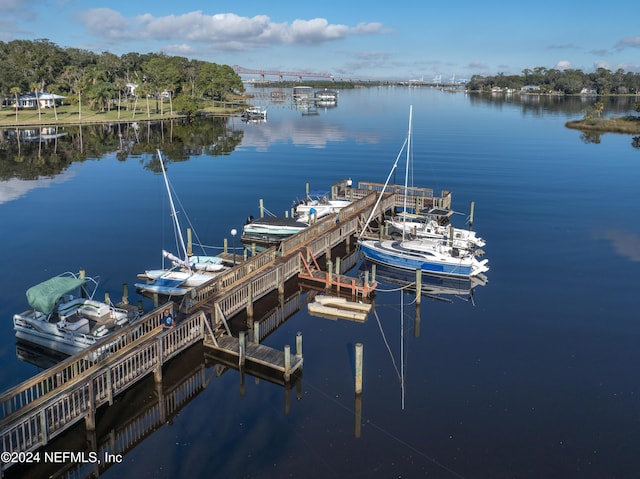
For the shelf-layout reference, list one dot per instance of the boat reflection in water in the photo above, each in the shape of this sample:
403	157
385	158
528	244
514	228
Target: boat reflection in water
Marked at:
434	286
37	355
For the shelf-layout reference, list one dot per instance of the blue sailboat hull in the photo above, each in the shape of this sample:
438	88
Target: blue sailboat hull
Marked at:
374	251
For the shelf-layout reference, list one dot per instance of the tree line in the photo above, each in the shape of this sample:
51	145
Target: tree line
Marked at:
567	81
99	80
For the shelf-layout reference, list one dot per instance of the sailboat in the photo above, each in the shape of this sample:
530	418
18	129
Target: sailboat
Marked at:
186	271
434	224
432	255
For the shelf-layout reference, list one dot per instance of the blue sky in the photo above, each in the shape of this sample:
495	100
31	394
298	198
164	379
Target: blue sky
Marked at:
374	39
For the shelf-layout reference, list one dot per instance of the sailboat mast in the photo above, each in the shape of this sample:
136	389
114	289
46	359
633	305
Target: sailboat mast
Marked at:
406	173
173	212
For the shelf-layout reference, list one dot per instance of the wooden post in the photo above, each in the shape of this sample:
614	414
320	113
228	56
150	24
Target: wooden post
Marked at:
82	275
107	298
373	272
418	286
329	274
43	427
299	344
473	207
359	353
416	323
306	190
90	417
280	281
338	269
287	362
125	293
225	245
261	208
256	332
249	301
241	349
156	301
451	232
189	243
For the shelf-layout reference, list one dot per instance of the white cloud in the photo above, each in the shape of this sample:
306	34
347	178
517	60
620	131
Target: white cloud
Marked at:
563	65
629	42
227	31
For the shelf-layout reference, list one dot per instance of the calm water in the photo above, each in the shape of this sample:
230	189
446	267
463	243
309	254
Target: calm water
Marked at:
535	377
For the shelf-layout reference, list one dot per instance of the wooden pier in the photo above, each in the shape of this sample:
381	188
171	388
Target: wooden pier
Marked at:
43	407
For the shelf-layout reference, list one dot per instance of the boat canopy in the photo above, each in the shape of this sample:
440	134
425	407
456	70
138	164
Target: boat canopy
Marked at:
44	296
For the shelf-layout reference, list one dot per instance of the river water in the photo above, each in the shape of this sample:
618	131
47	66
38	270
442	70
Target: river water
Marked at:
532	375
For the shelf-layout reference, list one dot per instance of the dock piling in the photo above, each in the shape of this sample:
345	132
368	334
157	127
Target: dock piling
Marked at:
241	348
472	208
287	362
359	353
125	293
299	344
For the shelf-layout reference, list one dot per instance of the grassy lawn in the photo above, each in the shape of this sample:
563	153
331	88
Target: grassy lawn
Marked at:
69	114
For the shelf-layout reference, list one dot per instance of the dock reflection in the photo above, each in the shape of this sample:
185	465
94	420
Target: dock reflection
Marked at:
433	286
134	416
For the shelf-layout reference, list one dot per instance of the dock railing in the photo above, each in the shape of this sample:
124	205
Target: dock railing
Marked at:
16	398
48	415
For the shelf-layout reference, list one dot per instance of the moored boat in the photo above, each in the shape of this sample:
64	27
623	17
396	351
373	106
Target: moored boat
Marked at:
424	254
434	224
186	272
65	317
270	230
433	255
318	205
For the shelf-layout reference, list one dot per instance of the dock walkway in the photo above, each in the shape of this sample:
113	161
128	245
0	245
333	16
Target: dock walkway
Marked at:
43	407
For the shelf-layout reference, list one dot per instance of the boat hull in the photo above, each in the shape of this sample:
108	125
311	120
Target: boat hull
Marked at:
391	253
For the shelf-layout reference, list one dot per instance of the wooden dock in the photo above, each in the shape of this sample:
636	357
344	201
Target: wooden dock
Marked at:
258	354
43	407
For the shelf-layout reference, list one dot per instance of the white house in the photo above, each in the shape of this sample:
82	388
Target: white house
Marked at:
47	100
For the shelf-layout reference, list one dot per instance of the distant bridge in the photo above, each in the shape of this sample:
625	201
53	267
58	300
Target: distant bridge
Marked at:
240	70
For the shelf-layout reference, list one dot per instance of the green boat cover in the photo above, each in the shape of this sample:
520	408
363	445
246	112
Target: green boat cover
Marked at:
44	296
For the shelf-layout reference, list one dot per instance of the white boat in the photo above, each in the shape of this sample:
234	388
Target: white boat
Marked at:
187	271
255	113
270	230
318	205
434	224
435	256
65	318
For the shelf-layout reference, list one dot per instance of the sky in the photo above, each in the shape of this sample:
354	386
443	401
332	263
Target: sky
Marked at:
410	40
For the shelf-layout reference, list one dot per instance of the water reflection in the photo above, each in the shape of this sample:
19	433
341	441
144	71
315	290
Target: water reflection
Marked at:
15	188
433	286
555	104
134	416
48	153
624	243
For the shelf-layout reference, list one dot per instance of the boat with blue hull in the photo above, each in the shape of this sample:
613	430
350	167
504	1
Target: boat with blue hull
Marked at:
435	255
426	255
